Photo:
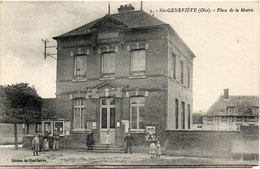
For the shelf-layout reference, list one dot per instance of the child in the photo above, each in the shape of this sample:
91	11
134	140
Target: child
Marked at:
152	149
158	149
35	144
107	138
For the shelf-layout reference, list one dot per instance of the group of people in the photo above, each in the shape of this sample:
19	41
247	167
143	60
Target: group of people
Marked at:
155	149
42	142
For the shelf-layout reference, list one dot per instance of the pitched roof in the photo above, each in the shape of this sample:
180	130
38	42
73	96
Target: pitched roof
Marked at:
132	19
242	102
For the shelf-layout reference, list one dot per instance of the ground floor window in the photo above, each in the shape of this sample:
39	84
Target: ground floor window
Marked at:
176	113
189	116
137	113
79	113
183	114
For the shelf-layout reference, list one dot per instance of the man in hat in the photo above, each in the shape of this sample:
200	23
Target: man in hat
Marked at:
56	140
129	142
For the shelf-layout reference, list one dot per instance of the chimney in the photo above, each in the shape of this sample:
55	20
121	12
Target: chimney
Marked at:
125	8
226	93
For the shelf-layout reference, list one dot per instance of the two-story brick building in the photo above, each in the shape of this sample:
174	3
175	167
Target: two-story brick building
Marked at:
125	70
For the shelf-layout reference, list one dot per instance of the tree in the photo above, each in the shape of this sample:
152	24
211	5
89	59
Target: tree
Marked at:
20	104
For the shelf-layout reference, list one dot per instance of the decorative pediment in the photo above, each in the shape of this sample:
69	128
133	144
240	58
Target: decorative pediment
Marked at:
105	89
108	22
106	84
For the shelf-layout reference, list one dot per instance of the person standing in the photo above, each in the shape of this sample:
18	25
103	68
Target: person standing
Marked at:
129	142
56	138
91	139
35	144
152	149
40	141
158	149
46	141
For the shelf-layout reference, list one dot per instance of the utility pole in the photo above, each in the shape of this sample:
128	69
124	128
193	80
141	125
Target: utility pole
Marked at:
45	50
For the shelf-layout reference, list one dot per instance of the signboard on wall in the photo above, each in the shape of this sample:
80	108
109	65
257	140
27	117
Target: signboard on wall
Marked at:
150	129
67	128
150	133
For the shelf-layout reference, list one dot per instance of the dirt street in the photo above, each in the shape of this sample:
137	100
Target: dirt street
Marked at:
24	157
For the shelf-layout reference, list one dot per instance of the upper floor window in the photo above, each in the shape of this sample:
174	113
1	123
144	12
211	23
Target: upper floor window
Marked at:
137	113
138	62
108	64
80	66
231	109
174	65
183	114
79	113
182	73
188	72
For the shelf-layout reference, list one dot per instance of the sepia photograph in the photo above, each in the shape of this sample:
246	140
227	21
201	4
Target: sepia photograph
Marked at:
129	84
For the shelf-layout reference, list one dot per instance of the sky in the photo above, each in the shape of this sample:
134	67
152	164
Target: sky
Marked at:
225	43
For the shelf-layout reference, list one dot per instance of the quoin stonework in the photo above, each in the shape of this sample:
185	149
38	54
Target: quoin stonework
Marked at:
124	71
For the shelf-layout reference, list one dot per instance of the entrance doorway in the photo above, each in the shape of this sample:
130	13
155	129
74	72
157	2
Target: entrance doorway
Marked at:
107	119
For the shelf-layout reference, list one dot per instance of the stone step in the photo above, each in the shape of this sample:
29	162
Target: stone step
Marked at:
106	148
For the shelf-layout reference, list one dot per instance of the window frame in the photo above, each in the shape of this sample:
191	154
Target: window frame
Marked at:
104	74
137	72
174	64
176	114
189	116
80	107
189	77
182	71
231	110
75	74
138	105
183	116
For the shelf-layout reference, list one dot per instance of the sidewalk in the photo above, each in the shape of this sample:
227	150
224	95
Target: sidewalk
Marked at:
24	157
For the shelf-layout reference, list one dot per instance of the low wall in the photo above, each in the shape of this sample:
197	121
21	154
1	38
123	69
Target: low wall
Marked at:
200	143
7	133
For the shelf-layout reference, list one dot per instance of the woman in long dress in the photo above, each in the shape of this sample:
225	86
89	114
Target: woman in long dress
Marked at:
46	141
108	141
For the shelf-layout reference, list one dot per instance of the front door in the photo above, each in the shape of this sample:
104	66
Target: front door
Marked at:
107	120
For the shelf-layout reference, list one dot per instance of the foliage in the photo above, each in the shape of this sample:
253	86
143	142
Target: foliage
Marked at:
19	103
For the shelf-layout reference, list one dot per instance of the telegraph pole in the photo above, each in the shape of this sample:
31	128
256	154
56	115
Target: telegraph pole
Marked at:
45	50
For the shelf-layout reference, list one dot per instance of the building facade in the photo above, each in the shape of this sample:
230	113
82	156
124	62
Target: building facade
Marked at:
232	112
127	70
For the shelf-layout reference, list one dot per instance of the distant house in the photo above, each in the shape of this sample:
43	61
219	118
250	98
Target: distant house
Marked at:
197	121
231	112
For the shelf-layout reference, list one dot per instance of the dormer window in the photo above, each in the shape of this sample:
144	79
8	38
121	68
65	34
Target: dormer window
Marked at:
255	110
231	110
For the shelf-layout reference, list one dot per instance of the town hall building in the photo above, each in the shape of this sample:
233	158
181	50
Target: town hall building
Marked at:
124	71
